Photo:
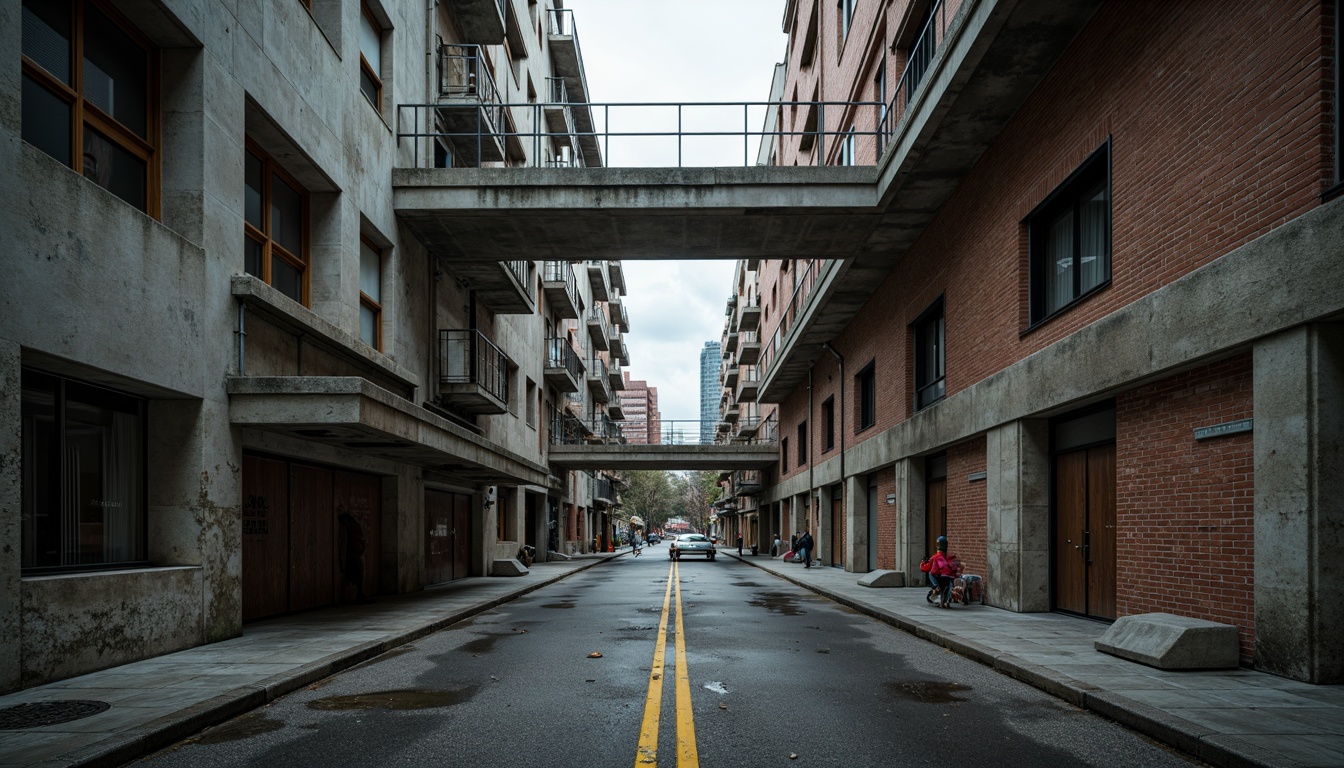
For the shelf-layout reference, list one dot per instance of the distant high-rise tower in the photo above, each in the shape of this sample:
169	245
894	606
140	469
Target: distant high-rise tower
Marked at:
709	390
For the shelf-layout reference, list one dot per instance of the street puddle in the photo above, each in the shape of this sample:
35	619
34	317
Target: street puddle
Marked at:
558	605
778	602
395	700
237	729
927	691
480	645
716	687
745	584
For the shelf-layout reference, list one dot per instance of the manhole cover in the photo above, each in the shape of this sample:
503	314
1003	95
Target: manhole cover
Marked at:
43	713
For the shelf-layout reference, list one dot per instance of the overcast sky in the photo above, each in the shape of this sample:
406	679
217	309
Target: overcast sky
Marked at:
678	51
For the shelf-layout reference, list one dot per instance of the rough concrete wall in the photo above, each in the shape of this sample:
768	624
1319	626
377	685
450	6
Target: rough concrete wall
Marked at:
11	506
1017	469
1186	501
81	623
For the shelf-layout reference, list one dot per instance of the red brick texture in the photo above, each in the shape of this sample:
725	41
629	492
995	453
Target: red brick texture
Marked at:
1184	509
967	506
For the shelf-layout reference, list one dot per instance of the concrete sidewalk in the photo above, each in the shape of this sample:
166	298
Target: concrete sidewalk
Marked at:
159	701
1226	718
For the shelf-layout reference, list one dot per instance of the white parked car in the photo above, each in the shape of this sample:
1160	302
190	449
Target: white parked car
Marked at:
688	544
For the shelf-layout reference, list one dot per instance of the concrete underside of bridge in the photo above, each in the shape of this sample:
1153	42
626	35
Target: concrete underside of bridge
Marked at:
670	457
995	54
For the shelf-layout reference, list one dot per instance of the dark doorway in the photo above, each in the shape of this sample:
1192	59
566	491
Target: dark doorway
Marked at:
447	536
935	502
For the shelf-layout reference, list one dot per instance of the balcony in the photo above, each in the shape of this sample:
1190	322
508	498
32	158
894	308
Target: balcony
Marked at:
729	343
564	369
597	279
749	386
597	329
747	482
561	289
559	116
480	21
505	287
617	273
730	377
567	62
749	315
568	429
731	413
749	351
469	116
603	491
617	344
598	385
614	377
618	315
753	264
473	372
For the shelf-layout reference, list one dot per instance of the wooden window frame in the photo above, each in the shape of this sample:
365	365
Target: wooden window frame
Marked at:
366	69
366	301
269	248
85	115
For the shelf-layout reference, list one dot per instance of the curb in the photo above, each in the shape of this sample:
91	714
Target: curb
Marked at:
1212	747
145	740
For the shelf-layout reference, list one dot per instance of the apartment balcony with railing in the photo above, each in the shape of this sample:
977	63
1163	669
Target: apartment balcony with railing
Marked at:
615	410
747	482
479	21
614	377
603	490
729	342
616	343
469	116
597	329
749	348
473	372
598	280
618	313
567	62
561	289
564	368
749	314
559	116
598	386
749	383
617	274
730	376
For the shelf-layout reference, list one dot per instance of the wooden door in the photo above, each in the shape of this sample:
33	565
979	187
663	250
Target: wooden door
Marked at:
265	537
1084	539
461	536
310	537
935	523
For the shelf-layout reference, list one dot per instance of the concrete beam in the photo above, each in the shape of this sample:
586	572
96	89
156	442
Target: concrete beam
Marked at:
674	457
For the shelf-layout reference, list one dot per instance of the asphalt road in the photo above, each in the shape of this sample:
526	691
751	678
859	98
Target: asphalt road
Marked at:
773	676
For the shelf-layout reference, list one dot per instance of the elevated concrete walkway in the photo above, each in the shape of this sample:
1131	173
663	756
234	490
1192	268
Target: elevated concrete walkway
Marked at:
674	457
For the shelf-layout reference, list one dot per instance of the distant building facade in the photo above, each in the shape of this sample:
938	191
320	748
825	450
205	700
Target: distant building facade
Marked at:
710	363
643	425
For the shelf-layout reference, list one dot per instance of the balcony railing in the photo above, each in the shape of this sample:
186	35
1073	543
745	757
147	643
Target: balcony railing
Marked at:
468	357
469	114
560	355
918	61
597	328
562	288
801	292
568	429
716	432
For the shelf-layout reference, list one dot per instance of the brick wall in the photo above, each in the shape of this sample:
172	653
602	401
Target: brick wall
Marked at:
967	505
1184	509
887	519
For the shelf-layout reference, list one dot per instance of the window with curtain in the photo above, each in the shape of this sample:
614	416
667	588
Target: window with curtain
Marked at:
370	294
275	222
930	361
90	96
370	57
1070	239
83	475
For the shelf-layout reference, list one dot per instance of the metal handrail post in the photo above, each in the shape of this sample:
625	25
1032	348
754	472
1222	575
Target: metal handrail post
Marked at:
821	134
679	131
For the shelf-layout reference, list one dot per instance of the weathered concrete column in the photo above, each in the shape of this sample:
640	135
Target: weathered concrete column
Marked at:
403	531
11	520
821	542
1017	469
856	525
911	498
1299	503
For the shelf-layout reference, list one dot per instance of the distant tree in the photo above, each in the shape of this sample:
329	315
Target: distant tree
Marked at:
650	496
696	491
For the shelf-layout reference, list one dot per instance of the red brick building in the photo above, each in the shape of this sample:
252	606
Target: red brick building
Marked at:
639	403
1101	350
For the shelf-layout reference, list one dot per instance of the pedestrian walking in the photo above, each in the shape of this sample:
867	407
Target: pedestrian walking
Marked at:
805	546
774	547
739	545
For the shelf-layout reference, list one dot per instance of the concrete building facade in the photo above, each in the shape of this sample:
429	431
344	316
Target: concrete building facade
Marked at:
236	384
643	423
1099	343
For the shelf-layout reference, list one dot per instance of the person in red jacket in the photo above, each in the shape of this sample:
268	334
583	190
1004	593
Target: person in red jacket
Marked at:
943	571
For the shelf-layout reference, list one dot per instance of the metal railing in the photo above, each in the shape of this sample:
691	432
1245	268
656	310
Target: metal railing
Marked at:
560	354
801	292
563	272
568	429
597	369
689	432
557	92
467	356
596	315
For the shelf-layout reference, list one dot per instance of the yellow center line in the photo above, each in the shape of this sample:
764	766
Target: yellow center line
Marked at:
653	703
687	755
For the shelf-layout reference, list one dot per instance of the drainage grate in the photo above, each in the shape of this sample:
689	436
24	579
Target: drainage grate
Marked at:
42	713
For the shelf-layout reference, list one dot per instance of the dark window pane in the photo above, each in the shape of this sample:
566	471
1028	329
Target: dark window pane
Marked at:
368	326
104	454
41	472
369	87
1094	212
115	71
286	216
252	257
46	36
113	168
46	121
286	278
252	194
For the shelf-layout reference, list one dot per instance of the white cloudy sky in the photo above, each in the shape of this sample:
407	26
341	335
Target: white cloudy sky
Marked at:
677	51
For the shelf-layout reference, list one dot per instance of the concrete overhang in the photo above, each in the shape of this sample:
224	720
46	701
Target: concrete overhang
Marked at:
500	214
351	414
670	457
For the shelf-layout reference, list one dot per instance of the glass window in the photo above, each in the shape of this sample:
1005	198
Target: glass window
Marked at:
370	57
275	213
802	443
1070	236
83	475
370	294
828	424
866	383
930	382
113	144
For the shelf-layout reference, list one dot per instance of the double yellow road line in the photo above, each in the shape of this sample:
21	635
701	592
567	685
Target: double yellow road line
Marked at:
687	755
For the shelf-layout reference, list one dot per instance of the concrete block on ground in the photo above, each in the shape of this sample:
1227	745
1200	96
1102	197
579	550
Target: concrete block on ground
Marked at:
1168	641
508	566
883	579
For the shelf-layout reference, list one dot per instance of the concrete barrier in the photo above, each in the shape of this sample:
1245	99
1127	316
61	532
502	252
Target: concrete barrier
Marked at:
1168	641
